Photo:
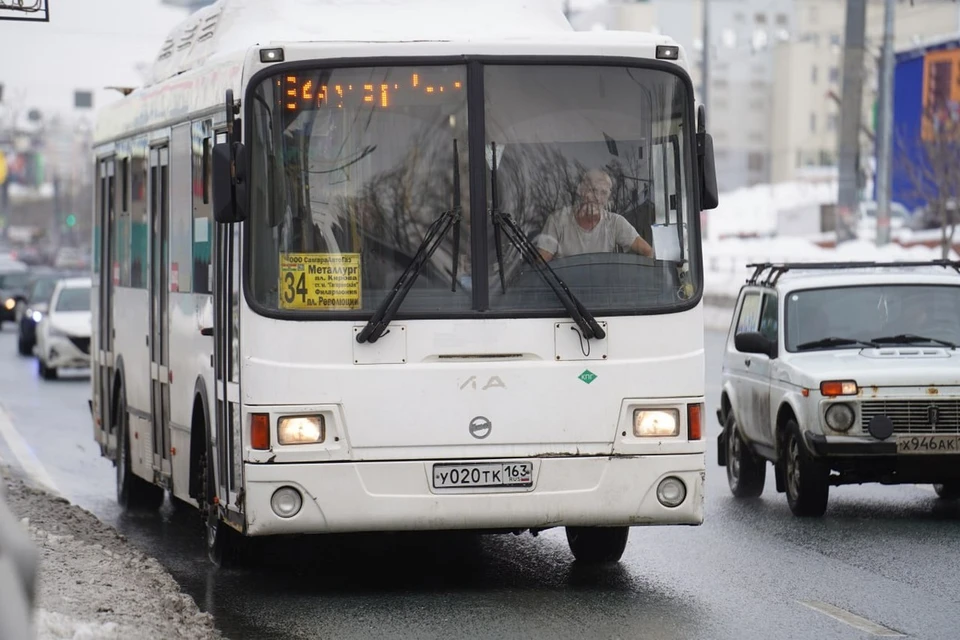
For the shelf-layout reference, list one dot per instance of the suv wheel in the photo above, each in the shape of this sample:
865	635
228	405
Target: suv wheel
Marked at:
745	472
808	480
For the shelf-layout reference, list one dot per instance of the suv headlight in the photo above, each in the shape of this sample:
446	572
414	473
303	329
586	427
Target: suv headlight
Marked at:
652	423
840	416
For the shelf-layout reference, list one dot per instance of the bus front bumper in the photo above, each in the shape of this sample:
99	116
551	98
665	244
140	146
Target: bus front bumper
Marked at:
341	497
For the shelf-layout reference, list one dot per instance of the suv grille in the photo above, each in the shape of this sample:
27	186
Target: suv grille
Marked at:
915	416
81	343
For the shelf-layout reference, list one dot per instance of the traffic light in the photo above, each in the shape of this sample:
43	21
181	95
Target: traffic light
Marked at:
71	220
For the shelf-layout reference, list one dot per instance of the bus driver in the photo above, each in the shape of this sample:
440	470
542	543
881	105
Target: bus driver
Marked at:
590	227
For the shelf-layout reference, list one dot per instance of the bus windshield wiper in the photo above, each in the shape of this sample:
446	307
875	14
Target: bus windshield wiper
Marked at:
377	325
910	338
834	341
589	326
502	221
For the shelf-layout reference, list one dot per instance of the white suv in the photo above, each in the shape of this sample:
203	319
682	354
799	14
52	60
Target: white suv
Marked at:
843	373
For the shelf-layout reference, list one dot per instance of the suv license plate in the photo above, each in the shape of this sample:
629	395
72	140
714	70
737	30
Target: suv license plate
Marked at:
928	444
483	474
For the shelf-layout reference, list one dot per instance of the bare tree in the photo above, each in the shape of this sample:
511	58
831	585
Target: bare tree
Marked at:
933	167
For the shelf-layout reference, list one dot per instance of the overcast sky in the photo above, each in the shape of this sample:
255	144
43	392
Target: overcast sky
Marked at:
89	45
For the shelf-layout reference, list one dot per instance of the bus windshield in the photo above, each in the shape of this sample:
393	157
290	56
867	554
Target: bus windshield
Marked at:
591	164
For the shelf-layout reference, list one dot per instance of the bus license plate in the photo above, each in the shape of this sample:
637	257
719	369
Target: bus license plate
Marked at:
483	474
928	444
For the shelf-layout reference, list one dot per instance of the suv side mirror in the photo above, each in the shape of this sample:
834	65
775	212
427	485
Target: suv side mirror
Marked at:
754	342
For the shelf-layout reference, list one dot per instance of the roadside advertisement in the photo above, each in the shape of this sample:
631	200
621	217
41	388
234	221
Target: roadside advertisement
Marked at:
941	93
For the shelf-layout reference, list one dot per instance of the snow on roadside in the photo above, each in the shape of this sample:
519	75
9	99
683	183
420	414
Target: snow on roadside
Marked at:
94	584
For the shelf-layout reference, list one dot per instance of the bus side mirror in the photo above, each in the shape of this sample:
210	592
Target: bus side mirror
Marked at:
229	182
709	196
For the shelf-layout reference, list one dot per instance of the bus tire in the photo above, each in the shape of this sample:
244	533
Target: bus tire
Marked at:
133	492
948	490
597	545
224	545
746	473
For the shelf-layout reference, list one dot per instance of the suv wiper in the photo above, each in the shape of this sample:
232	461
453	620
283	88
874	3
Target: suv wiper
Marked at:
377	325
584	319
834	341
910	338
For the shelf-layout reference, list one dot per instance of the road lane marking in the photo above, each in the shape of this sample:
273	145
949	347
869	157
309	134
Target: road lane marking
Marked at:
851	619
24	455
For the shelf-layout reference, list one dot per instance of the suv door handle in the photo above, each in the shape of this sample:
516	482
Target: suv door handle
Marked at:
746	361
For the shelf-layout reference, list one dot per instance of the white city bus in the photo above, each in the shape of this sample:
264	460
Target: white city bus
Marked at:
320	301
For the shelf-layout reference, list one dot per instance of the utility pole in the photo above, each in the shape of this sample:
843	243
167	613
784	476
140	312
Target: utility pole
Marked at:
705	70
885	128
851	108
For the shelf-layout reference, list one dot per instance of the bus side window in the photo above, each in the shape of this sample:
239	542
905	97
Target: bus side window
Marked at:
202	207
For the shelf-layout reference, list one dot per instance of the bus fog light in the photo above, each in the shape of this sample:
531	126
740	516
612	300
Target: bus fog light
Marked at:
651	423
286	502
671	492
300	430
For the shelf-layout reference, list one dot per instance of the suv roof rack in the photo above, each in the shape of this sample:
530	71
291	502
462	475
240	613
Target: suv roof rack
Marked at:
777	269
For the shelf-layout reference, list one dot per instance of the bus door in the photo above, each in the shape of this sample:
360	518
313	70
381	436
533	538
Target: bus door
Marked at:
108	277
226	278
159	309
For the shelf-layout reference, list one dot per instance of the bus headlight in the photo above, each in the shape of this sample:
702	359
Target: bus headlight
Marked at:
651	423
300	430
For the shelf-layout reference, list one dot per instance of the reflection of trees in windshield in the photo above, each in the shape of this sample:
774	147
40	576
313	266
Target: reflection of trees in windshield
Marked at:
869	312
362	178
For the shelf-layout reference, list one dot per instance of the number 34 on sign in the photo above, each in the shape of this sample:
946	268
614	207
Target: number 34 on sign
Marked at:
326	281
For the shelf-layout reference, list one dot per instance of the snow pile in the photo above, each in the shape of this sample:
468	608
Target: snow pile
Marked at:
725	261
95	585
753	210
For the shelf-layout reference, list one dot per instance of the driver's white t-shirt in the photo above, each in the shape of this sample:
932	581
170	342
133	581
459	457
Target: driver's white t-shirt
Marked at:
563	237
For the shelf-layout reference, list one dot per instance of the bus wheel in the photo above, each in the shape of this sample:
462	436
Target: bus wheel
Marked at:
597	545
224	545
948	491
133	492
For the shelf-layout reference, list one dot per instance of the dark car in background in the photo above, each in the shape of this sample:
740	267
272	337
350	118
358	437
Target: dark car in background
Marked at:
14	282
38	296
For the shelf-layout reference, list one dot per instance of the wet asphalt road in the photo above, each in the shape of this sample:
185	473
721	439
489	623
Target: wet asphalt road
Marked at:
887	554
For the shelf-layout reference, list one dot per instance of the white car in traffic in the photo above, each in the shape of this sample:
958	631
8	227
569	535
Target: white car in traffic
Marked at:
63	336
843	374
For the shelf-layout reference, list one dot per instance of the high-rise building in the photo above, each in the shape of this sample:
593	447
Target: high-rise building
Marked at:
775	73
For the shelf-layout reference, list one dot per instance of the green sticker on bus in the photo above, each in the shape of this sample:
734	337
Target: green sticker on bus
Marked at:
587	376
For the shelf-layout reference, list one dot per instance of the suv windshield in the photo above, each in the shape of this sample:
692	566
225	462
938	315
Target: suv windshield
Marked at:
74	299
351	167
894	314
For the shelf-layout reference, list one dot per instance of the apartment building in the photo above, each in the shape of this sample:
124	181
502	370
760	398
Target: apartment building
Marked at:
809	75
775	72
